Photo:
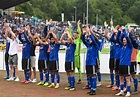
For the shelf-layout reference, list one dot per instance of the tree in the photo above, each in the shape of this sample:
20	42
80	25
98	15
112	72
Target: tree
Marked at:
123	11
134	12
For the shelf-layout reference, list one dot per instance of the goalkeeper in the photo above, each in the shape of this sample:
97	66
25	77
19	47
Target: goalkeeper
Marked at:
77	41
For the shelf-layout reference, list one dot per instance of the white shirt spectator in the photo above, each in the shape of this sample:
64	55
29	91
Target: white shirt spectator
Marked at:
13	49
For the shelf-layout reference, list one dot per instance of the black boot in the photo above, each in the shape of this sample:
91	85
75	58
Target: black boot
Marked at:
92	92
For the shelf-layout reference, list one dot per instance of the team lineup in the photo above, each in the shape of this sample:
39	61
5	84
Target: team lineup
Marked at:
123	56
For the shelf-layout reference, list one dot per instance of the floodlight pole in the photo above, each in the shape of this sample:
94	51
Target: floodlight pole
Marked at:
87	14
75	13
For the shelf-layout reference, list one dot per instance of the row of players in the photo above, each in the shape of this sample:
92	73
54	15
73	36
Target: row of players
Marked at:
48	43
120	40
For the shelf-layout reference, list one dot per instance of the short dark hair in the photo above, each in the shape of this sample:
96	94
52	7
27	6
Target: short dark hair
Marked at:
76	32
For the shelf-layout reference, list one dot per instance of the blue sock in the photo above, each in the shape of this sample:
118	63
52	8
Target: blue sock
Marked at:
117	81
124	82
14	74
93	83
72	81
47	76
99	76
122	86
88	81
58	78
69	80
52	78
135	84
7	70
128	88
41	76
112	78
116	78
27	75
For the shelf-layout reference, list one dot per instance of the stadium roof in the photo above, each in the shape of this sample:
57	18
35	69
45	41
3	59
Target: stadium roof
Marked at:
5	4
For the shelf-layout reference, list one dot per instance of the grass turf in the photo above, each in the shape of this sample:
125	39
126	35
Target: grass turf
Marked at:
104	50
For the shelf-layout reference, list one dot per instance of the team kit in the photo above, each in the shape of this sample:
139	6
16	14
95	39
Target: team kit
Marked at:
122	63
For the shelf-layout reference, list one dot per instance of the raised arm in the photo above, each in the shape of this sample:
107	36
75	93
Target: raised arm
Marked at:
127	38
83	37
118	38
101	44
69	36
30	35
40	41
9	30
106	34
70	28
45	31
92	37
106	31
62	38
4	34
28	31
55	37
112	38
95	37
4	31
20	38
84	40
26	38
135	44
79	29
111	25
47	37
93	34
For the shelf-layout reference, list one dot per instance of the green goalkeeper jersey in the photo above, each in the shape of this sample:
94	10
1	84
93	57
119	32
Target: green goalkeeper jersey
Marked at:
77	41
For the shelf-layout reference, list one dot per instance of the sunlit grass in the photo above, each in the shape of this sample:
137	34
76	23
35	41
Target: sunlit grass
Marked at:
104	50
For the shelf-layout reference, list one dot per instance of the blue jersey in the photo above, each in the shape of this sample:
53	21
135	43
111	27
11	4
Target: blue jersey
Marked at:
101	41
70	52
96	51
112	50
115	49
138	44
118	51
54	48
118	45
99	46
7	46
1	40
43	52
91	48
26	46
125	56
7	43
126	50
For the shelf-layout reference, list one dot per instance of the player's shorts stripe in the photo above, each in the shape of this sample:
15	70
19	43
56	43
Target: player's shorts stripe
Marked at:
28	62
45	64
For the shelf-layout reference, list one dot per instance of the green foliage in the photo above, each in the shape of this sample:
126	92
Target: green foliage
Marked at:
122	11
134	12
